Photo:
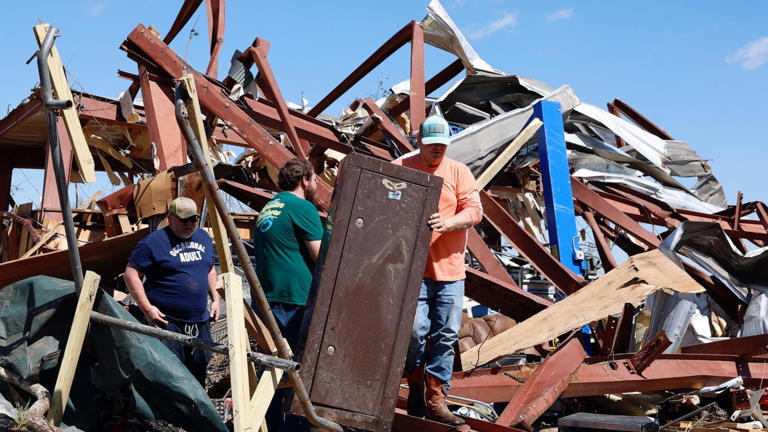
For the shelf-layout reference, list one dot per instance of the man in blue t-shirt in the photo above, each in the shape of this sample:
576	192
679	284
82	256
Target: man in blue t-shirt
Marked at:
287	241
177	262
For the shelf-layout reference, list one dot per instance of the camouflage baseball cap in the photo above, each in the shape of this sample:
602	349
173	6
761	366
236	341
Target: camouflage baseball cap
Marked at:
183	207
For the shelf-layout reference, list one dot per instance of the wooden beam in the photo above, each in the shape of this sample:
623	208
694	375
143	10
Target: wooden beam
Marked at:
44	239
74	129
161	123
217	225
416	95
242	373
603	249
113	178
259	55
74	345
237	341
50	197
544	387
105	146
630	282
509	151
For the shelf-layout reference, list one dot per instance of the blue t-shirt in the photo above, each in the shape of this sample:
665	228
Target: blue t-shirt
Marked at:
176	272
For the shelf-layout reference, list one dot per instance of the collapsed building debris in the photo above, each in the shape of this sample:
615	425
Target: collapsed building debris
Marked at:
651	317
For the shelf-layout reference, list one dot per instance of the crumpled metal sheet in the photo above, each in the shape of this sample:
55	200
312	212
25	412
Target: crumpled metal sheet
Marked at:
477	145
674	197
650	146
671	313
440	31
709	189
708	238
756	316
507	92
683	161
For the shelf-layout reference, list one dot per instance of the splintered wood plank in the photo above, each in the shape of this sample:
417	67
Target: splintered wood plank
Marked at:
265	391
108	168
509	151
74	345
62	91
631	282
44	239
237	341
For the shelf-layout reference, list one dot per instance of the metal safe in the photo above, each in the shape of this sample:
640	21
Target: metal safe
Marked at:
365	291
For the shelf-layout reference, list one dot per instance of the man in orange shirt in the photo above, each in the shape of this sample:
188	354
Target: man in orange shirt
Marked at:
442	290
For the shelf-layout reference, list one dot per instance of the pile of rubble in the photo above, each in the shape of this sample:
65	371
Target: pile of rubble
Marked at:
651	315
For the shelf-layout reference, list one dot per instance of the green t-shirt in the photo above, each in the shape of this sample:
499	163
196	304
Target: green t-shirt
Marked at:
282	261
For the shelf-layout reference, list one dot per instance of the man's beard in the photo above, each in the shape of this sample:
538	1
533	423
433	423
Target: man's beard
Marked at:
309	193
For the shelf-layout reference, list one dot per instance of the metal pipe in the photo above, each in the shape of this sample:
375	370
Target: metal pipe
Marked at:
255	357
182	118
50	105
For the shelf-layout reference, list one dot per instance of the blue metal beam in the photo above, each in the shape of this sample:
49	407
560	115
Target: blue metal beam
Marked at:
556	182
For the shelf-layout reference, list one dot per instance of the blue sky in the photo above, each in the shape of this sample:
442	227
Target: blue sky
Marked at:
697	69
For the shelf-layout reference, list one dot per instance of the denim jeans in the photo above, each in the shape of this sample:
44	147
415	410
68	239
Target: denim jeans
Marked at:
195	359
288	319
438	315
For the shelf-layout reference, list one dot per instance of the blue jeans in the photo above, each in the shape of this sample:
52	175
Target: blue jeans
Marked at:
195	359
288	319
438	314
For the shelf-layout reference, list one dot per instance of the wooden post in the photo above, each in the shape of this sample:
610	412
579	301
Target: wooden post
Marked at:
50	199
238	346
242	373
416	96
71	119
217	225
74	345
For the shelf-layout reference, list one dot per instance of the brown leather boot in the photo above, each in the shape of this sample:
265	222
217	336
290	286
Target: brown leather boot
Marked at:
436	407
417	407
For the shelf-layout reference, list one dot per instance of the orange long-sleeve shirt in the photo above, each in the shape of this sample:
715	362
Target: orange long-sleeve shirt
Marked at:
445	261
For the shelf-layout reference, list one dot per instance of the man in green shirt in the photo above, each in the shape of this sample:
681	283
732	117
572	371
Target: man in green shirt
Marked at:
287	241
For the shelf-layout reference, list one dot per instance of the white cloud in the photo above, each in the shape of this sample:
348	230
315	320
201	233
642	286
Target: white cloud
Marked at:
97	9
752	55
560	14
506	20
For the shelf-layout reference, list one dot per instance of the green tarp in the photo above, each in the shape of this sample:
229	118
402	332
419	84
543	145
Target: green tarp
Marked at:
119	374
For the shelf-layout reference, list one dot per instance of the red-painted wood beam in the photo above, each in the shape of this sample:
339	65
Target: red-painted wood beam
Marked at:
501	296
433	84
383	122
387	49
416	97
544	387
215	12
211	97
529	247
188	9
259	56
50	199
161	123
